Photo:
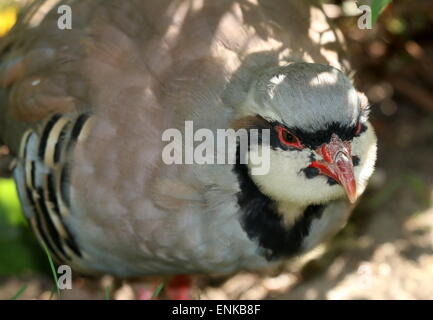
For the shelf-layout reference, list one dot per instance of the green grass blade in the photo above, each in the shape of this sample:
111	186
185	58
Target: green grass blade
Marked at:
158	290
108	293
53	269
377	6
19	292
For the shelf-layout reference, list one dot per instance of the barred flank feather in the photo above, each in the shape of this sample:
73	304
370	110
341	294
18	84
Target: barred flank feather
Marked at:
43	183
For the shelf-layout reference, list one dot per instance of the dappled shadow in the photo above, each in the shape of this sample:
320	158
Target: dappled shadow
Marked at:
265	33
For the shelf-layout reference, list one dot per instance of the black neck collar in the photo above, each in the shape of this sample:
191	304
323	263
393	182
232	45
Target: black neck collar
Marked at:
264	224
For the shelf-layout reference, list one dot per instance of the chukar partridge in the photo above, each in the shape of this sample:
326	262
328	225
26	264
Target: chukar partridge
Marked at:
84	111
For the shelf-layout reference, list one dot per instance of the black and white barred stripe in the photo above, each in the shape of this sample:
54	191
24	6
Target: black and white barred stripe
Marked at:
42	177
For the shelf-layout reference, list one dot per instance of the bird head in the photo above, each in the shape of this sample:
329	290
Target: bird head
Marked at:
321	146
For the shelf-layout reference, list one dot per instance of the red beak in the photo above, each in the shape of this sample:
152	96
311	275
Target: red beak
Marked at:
338	165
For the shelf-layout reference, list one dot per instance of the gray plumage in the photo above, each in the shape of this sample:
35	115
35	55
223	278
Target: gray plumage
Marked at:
287	92
127	71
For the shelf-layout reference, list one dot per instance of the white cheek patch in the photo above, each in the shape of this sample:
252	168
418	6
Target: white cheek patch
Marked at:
364	147
284	179
287	182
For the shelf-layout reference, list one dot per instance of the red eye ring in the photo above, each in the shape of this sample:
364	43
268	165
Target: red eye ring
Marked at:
287	138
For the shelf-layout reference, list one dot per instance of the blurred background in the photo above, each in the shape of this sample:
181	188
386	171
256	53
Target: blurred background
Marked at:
386	250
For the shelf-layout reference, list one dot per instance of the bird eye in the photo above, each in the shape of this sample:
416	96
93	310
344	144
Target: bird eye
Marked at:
287	138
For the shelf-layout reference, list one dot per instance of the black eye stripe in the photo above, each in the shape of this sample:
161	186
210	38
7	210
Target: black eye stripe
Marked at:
315	139
312	140
319	137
